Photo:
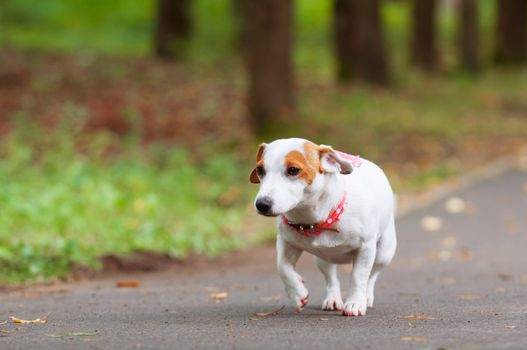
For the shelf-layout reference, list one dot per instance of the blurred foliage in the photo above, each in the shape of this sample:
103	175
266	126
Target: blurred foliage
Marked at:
71	26
65	200
69	197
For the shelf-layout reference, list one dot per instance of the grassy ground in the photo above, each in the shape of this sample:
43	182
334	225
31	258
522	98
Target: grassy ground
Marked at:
63	201
103	151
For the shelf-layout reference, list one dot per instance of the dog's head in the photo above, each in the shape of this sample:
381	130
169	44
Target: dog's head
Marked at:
290	171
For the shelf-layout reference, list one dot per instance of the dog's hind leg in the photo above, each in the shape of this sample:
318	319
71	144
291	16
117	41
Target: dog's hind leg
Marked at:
385	251
333	299
286	258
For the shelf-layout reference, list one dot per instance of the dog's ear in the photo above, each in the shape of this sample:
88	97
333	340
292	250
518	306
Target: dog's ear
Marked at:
331	161
259	162
254	177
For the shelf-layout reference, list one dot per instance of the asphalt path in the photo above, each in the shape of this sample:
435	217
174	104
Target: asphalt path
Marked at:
459	281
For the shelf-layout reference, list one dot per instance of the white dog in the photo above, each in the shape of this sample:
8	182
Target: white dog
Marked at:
335	206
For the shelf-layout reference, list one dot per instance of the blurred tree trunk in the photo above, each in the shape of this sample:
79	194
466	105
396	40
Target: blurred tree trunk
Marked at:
343	30
359	42
511	32
269	41
173	29
424	51
469	35
240	9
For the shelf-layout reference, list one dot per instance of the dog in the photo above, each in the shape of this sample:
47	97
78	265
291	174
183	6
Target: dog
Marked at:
338	207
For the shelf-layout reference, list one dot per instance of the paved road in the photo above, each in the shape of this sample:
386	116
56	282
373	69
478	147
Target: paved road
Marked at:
470	277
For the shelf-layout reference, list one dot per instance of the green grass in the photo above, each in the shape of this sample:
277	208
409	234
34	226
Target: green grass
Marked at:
66	200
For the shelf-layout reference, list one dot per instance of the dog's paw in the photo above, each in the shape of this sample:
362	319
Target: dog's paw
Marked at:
299	297
354	308
333	302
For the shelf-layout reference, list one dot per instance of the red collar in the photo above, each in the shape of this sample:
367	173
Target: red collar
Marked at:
316	229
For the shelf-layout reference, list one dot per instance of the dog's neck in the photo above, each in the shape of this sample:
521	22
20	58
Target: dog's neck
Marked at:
317	206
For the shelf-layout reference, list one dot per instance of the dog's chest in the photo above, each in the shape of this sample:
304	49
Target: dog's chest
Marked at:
334	247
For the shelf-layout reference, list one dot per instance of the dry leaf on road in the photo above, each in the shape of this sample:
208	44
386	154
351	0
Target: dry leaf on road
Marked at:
72	334
269	313
417	317
37	320
504	276
217	297
465	254
431	223
447	280
455	205
273	298
127	284
418	340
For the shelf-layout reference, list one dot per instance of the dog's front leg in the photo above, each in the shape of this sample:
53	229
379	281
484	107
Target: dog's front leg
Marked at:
286	258
355	304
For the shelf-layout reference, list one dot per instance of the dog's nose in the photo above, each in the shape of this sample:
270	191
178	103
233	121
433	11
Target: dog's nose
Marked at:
264	204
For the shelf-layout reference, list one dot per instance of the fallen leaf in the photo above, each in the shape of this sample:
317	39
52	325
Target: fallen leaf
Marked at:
444	255
269	313
127	284
217	297
455	205
465	254
448	280
37	320
254	319
504	276
417	317
449	242
272	298
324	319
522	163
418	340
72	334
470	297
510	327
431	223
411	325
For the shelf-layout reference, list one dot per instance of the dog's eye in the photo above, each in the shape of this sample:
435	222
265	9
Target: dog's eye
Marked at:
260	171
292	171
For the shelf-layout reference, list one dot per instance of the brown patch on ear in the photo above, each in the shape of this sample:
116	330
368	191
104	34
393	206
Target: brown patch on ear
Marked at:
253	178
259	153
